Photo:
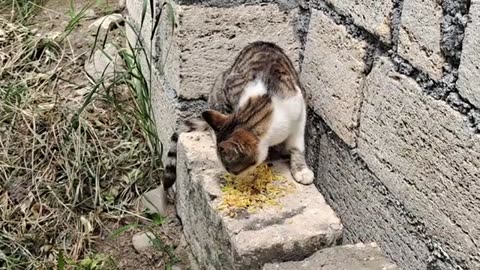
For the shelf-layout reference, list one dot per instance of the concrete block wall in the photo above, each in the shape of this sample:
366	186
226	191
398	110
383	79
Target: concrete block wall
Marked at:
398	158
394	96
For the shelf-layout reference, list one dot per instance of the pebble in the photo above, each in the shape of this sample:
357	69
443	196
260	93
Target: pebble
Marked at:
107	22
155	201
142	240
90	14
102	64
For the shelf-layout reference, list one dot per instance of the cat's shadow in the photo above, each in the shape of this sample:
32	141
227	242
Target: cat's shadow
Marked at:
277	153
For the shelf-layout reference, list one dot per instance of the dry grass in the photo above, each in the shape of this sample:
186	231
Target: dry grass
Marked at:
71	159
19	10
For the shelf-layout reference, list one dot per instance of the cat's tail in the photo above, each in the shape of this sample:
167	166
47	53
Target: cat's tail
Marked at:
170	173
195	124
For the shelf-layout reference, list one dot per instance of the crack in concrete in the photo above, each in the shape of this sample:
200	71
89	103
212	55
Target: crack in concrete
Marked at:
455	17
302	28
395	22
260	224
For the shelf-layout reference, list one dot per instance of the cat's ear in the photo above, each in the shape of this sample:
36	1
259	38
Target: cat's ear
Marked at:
214	118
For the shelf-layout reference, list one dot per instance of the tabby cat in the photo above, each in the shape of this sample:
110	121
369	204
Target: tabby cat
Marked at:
256	104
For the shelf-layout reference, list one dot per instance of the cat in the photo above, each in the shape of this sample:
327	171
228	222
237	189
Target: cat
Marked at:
256	104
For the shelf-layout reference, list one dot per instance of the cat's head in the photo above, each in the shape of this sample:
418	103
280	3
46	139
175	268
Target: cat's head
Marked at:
237	148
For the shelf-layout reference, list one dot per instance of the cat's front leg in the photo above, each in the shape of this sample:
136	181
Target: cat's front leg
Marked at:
295	144
299	168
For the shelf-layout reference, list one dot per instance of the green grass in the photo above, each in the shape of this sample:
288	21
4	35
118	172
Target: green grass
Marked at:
72	155
75	17
19	10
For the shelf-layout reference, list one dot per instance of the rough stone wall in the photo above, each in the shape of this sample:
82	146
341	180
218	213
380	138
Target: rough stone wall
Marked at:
394	96
394	124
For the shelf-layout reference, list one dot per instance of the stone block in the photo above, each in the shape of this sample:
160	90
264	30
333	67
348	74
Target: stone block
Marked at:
368	210
302	225
469	71
426	156
207	40
332	73
358	257
140	35
286	4
373	15
420	36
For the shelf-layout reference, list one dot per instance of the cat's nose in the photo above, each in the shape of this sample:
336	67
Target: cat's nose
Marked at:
234	172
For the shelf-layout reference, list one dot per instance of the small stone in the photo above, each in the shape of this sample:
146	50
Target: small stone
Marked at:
104	63
176	267
156	201
143	240
90	14
107	22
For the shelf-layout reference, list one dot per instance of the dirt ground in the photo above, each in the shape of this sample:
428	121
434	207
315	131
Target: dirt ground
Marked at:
126	257
52	19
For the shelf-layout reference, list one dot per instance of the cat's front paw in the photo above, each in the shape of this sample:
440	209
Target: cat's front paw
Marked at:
304	176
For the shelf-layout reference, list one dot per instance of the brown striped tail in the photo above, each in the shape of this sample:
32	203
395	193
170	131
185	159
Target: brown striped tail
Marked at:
170	174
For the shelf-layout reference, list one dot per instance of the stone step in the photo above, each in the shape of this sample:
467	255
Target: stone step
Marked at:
348	257
303	223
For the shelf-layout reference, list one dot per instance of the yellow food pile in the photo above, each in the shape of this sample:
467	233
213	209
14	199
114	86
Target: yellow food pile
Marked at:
253	191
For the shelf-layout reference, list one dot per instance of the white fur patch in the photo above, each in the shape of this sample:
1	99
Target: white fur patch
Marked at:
288	124
287	118
252	89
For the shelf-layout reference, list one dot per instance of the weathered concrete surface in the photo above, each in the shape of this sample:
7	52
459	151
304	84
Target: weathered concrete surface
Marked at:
469	72
426	156
143	30
348	257
420	35
332	73
286	4
373	15
304	223
207	39
369	211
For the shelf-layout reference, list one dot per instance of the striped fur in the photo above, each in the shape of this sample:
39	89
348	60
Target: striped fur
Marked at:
170	174
255	104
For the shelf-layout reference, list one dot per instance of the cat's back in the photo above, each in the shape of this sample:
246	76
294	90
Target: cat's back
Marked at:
259	54
267	63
